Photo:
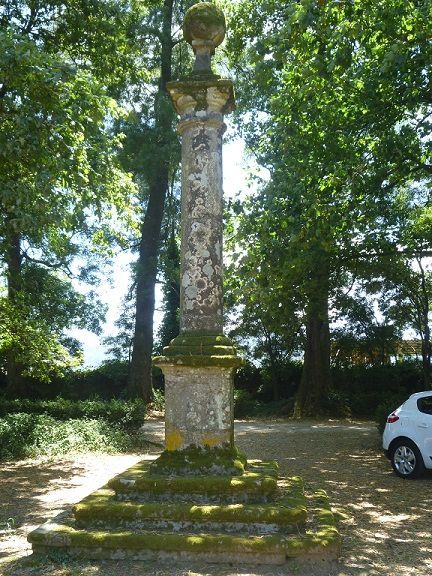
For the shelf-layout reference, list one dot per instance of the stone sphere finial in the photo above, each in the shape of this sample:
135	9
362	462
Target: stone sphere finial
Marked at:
204	22
204	29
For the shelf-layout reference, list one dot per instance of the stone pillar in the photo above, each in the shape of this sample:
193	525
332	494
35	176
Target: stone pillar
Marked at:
199	364
201	295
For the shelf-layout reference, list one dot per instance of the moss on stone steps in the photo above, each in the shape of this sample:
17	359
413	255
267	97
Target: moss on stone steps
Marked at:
200	350
138	479
323	541
101	507
263	533
197	460
207	345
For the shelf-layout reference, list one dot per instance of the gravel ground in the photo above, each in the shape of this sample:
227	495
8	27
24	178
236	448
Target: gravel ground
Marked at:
384	521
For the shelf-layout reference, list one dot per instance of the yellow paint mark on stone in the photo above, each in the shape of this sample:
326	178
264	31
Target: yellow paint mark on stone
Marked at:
174	440
211	441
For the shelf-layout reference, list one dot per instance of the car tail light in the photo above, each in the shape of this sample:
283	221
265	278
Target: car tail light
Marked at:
392	418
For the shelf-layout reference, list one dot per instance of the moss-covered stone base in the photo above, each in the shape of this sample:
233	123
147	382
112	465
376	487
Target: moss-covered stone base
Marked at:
199	461
141	515
257	484
200	350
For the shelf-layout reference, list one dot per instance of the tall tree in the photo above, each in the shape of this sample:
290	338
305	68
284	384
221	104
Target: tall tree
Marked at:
170	326
160	29
341	101
59	175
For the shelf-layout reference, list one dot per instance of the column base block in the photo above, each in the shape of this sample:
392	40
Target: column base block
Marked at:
199	403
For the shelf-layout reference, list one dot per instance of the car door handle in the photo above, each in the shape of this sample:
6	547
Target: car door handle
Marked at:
423	425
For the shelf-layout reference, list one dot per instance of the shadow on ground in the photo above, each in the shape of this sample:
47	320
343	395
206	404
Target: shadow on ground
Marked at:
384	520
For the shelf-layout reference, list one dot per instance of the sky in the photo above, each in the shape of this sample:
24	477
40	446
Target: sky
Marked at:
236	169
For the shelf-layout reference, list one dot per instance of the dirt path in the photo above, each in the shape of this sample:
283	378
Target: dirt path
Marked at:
385	521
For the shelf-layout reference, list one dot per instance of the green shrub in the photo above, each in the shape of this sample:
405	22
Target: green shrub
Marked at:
17	434
279	408
336	404
127	414
106	381
31	435
158	400
248	377
244	404
366	387
385	408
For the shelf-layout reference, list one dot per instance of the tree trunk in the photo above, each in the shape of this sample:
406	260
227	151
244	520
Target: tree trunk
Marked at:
170	327
140	377
425	328
14	369
426	350
140	380
274	368
315	380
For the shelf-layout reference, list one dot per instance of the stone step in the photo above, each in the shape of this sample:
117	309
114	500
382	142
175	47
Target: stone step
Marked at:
286	514
319	541
257	484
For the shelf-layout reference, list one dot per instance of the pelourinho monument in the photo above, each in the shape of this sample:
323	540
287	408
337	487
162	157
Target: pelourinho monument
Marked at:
199	364
201	499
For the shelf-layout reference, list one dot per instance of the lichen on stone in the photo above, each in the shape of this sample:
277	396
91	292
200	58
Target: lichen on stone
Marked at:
193	94
204	21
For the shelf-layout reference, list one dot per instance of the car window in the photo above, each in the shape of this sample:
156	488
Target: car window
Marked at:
425	404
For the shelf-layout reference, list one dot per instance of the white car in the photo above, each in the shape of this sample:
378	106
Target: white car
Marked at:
407	438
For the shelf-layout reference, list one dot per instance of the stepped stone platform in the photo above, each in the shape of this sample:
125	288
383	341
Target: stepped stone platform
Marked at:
254	517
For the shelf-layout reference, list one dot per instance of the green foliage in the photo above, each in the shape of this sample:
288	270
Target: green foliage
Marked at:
247	405
366	387
244	404
106	381
333	100
335	404
248	377
385	408
30	435
124	414
57	158
158	400
260	380
64	192
33	323
16	433
356	392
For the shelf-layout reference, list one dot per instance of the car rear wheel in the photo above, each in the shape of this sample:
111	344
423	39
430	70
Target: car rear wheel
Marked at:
406	459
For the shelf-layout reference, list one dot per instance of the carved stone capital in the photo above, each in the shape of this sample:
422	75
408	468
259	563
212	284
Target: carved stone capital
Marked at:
191	96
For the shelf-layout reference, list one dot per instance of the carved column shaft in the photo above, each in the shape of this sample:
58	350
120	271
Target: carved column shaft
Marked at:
201	243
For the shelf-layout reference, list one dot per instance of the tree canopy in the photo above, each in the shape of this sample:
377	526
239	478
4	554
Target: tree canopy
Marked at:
60	176
331	251
335	101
